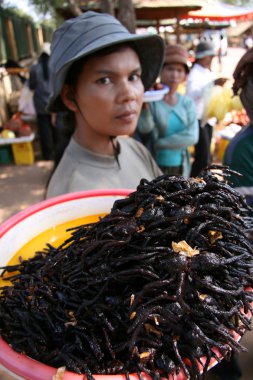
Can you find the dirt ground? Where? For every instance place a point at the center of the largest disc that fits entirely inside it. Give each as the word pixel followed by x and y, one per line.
pixel 22 186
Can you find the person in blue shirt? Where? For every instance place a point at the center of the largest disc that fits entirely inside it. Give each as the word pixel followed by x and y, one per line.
pixel 172 120
pixel 239 153
pixel 239 157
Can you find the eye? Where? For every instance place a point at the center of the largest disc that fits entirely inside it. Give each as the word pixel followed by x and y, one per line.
pixel 135 77
pixel 104 80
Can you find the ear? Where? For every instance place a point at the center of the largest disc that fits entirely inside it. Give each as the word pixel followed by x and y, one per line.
pixel 67 97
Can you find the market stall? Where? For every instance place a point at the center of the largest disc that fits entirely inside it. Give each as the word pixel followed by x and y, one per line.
pixel 219 11
pixel 16 138
pixel 17 149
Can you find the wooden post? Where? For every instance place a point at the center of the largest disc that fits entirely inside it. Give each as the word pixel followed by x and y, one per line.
pixel 11 38
pixel 30 40
pixel 178 29
pixel 40 37
pixel 158 26
pixel 126 15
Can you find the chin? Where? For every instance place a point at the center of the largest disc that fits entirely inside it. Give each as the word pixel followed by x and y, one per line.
pixel 126 131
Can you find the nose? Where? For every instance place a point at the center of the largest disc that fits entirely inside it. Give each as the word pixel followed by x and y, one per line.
pixel 126 91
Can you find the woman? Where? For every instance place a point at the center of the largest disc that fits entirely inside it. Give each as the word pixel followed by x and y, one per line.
pixel 172 119
pixel 99 72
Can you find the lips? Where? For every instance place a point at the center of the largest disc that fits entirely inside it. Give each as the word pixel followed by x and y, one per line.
pixel 127 116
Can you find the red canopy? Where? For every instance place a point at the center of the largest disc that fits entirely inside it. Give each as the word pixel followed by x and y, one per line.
pixel 216 11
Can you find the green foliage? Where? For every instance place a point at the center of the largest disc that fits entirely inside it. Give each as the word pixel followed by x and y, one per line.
pixel 16 11
pixel 47 6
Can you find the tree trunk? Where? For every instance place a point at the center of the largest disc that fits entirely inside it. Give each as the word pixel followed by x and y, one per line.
pixel 127 15
pixel 74 7
pixel 107 7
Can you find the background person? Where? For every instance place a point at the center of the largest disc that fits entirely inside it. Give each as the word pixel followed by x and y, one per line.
pixel 239 152
pixel 199 82
pixel 48 124
pixel 173 119
pixel 99 72
pixel 239 157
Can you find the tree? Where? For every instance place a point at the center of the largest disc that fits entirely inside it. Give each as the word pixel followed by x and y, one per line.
pixel 127 15
pixel 126 7
pixel 74 7
pixel 126 12
pixel 47 6
pixel 107 7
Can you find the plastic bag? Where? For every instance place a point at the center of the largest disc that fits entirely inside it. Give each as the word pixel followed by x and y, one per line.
pixel 236 103
pixel 25 104
pixel 220 102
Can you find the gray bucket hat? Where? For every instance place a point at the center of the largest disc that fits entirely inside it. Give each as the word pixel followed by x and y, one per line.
pixel 79 37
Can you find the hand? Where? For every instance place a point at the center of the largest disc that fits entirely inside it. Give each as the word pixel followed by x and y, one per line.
pixel 158 86
pixel 220 81
pixel 145 106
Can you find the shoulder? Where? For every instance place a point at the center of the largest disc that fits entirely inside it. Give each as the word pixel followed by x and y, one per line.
pixel 193 71
pixel 244 137
pixel 137 150
pixel 240 146
pixel 128 143
pixel 185 102
pixel 188 101
pixel 33 69
pixel 140 156
pixel 63 173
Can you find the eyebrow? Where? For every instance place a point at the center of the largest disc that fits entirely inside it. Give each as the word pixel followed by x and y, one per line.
pixel 138 69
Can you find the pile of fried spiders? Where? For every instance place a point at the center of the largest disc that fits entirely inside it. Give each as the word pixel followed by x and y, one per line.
pixel 161 285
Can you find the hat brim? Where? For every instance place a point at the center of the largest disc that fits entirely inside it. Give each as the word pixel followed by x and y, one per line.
pixel 204 54
pixel 150 49
pixel 176 58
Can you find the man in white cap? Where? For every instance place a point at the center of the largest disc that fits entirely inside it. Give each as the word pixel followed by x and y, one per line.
pixel 199 82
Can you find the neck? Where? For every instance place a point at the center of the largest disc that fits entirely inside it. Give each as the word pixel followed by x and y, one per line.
pixel 171 98
pixel 97 144
pixel 173 88
pixel 204 65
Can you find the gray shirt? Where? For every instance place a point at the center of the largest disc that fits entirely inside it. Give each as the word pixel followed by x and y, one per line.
pixel 81 169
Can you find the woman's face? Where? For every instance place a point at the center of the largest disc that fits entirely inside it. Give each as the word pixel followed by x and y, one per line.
pixel 109 93
pixel 173 74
